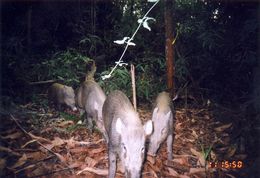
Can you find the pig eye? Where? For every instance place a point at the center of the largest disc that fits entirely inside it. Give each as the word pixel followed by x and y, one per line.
pixel 123 147
pixel 143 150
pixel 163 131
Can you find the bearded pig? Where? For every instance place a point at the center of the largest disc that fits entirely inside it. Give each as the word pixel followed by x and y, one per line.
pixel 90 97
pixel 62 95
pixel 163 125
pixel 126 134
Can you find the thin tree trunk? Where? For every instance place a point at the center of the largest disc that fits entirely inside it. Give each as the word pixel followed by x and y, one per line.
pixel 169 50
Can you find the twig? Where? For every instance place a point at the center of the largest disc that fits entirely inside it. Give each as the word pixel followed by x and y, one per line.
pixel 8 150
pixel 33 164
pixel 33 137
pixel 133 85
pixel 52 172
pixel 42 82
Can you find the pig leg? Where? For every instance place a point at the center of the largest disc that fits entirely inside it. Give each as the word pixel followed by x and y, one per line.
pixel 121 167
pixel 95 118
pixel 59 107
pixel 89 122
pixel 112 163
pixel 169 146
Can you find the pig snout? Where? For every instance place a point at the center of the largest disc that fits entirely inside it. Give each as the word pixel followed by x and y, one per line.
pixel 71 103
pixel 133 173
pixel 153 148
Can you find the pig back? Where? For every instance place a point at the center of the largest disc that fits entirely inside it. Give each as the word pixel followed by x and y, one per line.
pixel 55 93
pixel 163 102
pixel 90 93
pixel 164 105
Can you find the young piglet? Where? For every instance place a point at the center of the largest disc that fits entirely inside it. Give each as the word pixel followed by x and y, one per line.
pixel 62 95
pixel 163 125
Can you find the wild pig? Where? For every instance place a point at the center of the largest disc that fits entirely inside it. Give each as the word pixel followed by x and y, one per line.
pixel 90 97
pixel 163 125
pixel 126 134
pixel 62 95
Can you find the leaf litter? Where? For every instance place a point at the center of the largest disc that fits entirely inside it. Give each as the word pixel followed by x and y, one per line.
pixel 49 149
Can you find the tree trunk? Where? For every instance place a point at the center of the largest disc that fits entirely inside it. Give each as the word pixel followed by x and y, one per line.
pixel 169 50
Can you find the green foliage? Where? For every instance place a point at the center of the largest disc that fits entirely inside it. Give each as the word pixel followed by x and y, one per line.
pixel 120 80
pixel 217 45
pixel 40 100
pixel 181 69
pixel 67 66
pixel 150 79
pixel 67 116
pixel 206 152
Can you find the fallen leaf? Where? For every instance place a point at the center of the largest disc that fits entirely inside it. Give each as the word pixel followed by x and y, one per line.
pixel 75 165
pixel 48 146
pixel 65 124
pixel 29 142
pixel 71 142
pixel 61 158
pixel 178 126
pixel 194 134
pixel 223 149
pixel 182 161
pixel 172 172
pixel 57 141
pixel 199 155
pixel 229 175
pixel 13 135
pixel 2 164
pixel 183 176
pixel 223 127
pixel 231 151
pixel 40 139
pixel 24 168
pixel 20 161
pixel 38 171
pixel 213 155
pixel 151 159
pixel 101 172
pixel 8 150
pixel 98 150
pixel 90 162
pixel 35 155
pixel 79 150
pixel 197 170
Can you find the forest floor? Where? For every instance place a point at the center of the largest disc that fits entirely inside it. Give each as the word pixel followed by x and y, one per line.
pixel 38 142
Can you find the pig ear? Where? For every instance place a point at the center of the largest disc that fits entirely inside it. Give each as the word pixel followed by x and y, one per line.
pixel 148 127
pixel 119 125
pixel 95 106
pixel 168 115
pixel 155 110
